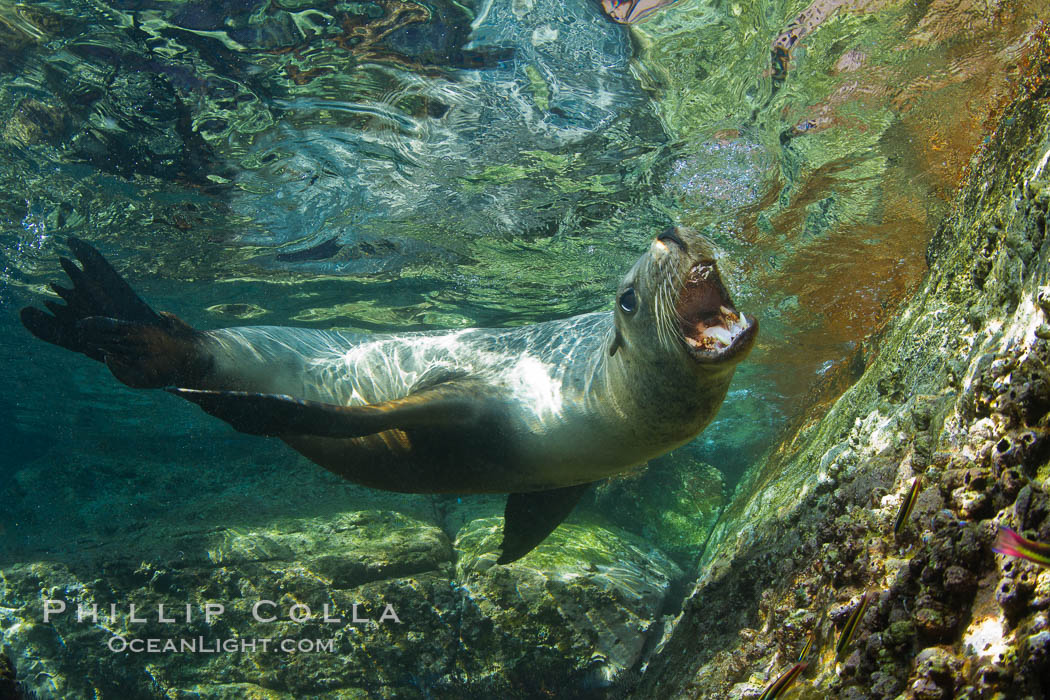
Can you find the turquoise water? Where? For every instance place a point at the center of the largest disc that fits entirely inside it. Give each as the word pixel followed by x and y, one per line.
pixel 395 165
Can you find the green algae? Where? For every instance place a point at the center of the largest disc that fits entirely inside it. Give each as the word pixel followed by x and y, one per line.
pixel 578 609
pixel 541 93
pixel 556 170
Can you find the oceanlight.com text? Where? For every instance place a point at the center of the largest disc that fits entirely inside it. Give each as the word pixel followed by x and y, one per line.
pixel 202 645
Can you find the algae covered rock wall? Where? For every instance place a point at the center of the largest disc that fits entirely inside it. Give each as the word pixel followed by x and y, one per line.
pixel 957 395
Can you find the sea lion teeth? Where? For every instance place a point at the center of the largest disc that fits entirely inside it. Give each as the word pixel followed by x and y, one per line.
pixel 729 316
pixel 700 273
pixel 719 333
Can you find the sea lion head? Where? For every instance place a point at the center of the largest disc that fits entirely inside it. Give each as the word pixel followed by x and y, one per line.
pixel 673 303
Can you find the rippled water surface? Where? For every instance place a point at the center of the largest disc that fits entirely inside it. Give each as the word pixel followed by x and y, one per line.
pixel 393 164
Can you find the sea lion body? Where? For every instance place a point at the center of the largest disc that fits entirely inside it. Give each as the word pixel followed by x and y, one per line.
pixel 536 411
pixel 557 417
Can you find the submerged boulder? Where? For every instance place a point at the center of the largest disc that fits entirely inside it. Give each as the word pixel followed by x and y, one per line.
pixel 372 603
pixel 578 609
pixel 674 504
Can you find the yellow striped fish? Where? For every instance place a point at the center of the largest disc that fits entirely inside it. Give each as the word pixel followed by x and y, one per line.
pixel 809 645
pixel 850 628
pixel 906 505
pixel 787 678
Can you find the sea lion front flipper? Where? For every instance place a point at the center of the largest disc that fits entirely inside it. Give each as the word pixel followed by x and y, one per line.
pixel 447 405
pixel 530 517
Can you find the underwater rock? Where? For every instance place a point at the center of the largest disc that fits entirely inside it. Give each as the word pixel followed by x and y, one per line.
pixel 35 122
pixel 1041 594
pixel 346 552
pixel 373 602
pixel 959 582
pixel 935 622
pixel 1015 589
pixel 347 567
pixel 9 688
pixel 675 501
pixel 587 590
pixel 1035 662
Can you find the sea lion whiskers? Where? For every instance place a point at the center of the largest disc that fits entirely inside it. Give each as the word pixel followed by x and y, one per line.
pixel 669 325
pixel 665 334
pixel 658 308
pixel 674 319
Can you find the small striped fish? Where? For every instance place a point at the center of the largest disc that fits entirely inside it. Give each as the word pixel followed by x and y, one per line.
pixel 787 678
pixel 907 505
pixel 850 629
pixel 1011 544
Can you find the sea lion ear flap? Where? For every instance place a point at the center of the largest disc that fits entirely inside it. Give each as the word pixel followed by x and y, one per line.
pixel 616 344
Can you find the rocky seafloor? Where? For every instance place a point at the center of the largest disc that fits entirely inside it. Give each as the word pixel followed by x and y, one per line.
pixel 956 391
pixel 568 620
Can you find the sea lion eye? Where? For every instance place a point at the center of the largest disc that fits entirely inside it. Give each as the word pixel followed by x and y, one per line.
pixel 629 301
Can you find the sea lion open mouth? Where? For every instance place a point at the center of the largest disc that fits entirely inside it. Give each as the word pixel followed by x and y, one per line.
pixel 712 327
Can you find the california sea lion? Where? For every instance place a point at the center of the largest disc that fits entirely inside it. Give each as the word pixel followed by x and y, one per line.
pixel 537 411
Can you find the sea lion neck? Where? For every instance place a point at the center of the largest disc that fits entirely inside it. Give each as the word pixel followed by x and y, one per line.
pixel 640 372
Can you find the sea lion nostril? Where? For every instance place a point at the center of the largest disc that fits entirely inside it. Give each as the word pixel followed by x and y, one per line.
pixel 671 235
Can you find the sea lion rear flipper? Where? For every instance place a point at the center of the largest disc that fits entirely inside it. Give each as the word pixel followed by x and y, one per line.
pixel 453 403
pixel 106 320
pixel 530 517
pixel 98 290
